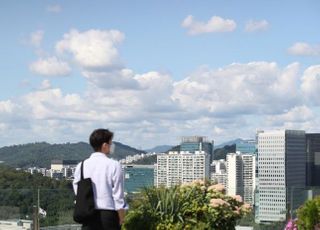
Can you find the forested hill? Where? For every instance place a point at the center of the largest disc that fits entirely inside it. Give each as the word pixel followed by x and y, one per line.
pixel 41 154
pixel 18 193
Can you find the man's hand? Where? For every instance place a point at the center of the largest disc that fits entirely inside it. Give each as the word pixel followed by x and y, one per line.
pixel 121 214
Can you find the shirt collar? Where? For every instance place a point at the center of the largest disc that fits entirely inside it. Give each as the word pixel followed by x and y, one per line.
pixel 98 154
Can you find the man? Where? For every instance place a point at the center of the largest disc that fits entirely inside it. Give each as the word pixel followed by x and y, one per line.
pixel 107 180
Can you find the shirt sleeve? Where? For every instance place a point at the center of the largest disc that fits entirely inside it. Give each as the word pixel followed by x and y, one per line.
pixel 118 188
pixel 76 178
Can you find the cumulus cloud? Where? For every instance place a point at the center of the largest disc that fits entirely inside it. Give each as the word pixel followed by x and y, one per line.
pixel 304 49
pixel 54 8
pixel 92 49
pixel 252 26
pixel 6 106
pixel 297 114
pixel 51 66
pixel 151 107
pixel 117 78
pixel 45 84
pixel 36 38
pixel 239 89
pixel 311 84
pixel 215 24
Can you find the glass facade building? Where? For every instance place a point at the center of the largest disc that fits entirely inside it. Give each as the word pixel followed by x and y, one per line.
pixel 313 159
pixel 197 143
pixel 246 146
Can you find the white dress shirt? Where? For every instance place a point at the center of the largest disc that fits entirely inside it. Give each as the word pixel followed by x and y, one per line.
pixel 107 180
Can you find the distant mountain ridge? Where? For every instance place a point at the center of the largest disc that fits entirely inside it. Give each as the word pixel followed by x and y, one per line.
pixel 232 142
pixel 40 154
pixel 159 149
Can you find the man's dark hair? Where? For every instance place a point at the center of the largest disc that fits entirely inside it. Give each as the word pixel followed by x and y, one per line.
pixel 98 137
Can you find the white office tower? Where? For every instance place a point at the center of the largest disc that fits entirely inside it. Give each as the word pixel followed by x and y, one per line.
pixel 241 175
pixel 219 172
pixel 282 172
pixel 180 167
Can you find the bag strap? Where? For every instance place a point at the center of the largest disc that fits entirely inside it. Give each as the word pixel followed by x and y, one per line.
pixel 82 170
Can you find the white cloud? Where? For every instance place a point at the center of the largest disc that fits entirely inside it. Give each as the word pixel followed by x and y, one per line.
pixel 92 49
pixel 239 89
pixel 6 106
pixel 45 84
pixel 51 66
pixel 36 38
pixel 297 114
pixel 311 84
pixel 54 8
pixel 117 78
pixel 223 103
pixel 304 49
pixel 214 25
pixel 252 26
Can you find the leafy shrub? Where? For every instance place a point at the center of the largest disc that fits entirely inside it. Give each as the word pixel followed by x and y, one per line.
pixel 309 215
pixel 196 205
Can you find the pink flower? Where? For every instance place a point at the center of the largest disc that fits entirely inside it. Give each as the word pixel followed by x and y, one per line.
pixel 218 202
pixel 198 182
pixel 216 187
pixel 237 198
pixel 291 225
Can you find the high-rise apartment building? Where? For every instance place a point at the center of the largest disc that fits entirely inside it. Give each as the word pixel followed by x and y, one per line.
pixel 282 172
pixel 218 172
pixel 180 167
pixel 234 174
pixel 248 177
pixel 241 175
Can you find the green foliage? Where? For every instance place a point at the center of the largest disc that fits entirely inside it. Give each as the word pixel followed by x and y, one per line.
pixel 19 191
pixel 147 160
pixel 309 215
pixel 197 205
pixel 41 154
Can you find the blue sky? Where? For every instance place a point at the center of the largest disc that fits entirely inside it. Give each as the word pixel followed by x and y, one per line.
pixel 153 71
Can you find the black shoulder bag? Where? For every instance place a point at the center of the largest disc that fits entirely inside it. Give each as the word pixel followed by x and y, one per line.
pixel 84 209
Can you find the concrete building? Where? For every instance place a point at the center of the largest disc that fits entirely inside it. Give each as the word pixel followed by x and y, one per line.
pixel 249 177
pixel 181 167
pixel 58 165
pixel 241 175
pixel 282 173
pixel 218 171
pixel 234 174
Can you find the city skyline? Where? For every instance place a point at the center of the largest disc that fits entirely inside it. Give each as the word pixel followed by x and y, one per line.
pixel 153 72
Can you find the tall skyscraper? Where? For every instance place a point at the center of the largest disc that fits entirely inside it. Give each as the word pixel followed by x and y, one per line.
pixel 313 159
pixel 246 146
pixel 282 172
pixel 175 168
pixel 197 143
pixel 241 175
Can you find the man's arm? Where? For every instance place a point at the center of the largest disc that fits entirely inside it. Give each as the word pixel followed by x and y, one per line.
pixel 118 192
pixel 76 178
